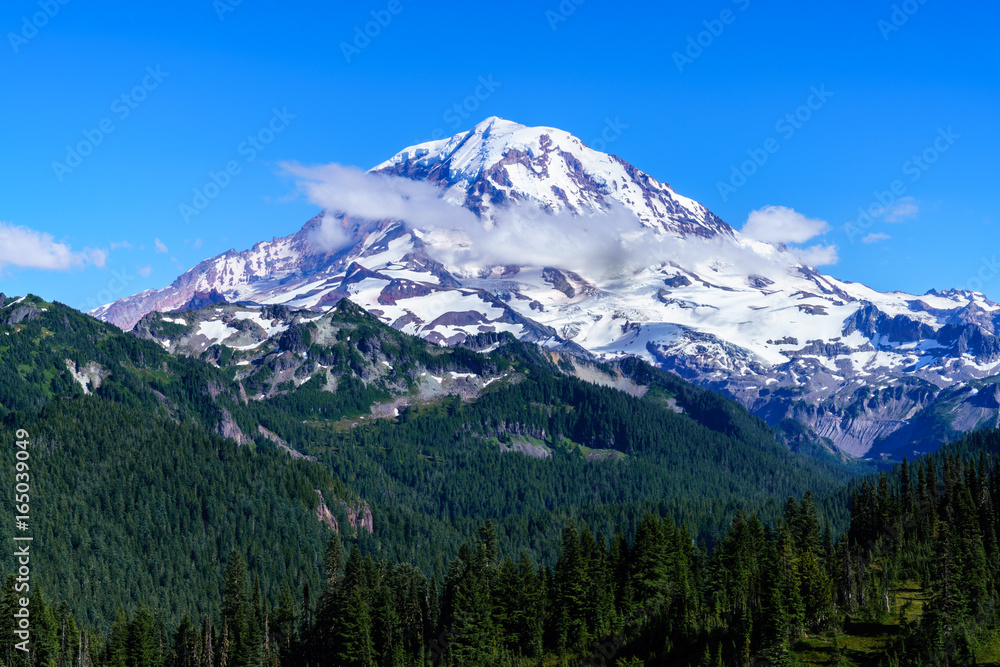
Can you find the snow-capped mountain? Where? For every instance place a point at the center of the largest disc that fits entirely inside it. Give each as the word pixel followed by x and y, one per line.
pixel 500 162
pixel 527 230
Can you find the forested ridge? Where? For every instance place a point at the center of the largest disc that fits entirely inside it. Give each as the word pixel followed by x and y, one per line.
pixel 767 594
pixel 654 525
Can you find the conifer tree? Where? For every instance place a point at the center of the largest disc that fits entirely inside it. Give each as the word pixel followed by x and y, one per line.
pixel 185 645
pixel 772 629
pixel 117 643
pixel 44 631
pixel 225 646
pixel 788 570
pixel 648 559
pixel 236 610
pixel 207 643
pixel 283 625
pixel 352 634
pixel 143 639
pixel 571 591
pixel 256 628
pixel 8 606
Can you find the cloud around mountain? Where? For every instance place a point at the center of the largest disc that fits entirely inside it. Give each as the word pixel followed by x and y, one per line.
pixel 784 226
pixel 603 243
pixel 375 197
pixel 599 244
pixel 520 234
pixel 780 224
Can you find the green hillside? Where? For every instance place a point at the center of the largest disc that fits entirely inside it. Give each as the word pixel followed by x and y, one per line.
pixel 152 470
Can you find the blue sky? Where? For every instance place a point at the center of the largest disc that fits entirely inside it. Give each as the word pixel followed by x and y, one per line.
pixel 903 96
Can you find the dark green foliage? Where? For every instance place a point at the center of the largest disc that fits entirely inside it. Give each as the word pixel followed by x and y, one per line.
pixel 655 600
pixel 479 556
pixel 150 512
pixel 144 497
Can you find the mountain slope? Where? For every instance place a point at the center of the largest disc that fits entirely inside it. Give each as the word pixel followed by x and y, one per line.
pixel 135 495
pixel 558 244
pixel 151 467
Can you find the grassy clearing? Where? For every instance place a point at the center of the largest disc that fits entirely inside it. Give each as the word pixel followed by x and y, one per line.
pixel 989 653
pixel 861 644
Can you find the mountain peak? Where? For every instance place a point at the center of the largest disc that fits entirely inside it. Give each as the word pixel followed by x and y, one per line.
pixel 498 124
pixel 487 142
pixel 499 163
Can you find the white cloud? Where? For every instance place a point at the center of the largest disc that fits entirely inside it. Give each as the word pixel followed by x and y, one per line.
pixel 376 197
pixel 596 244
pixel 331 235
pixel 31 249
pixel 900 210
pixel 160 246
pixel 145 271
pixel 875 237
pixel 518 234
pixel 784 226
pixel 780 224
pixel 817 255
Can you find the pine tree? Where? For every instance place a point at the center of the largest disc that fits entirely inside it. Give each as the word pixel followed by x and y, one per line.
pixel 8 606
pixel 788 569
pixel 352 634
pixel 143 642
pixel 906 486
pixel 602 599
pixel 386 634
pixel 256 628
pixel 185 652
pixel 236 610
pixel 69 635
pixel 45 631
pixel 225 646
pixel 946 595
pixel 533 588
pixel 772 628
pixel 117 644
pixel 618 563
pixel 283 624
pixel 808 527
pixel 649 576
pixel 333 563
pixel 817 591
pixel 207 639
pixel 571 591
pixel 467 611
